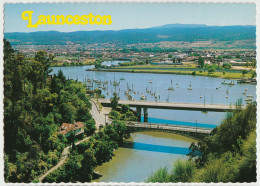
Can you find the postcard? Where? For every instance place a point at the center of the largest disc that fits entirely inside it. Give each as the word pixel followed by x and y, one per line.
pixel 114 92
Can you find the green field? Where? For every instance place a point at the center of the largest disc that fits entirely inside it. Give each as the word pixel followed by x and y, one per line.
pixel 154 69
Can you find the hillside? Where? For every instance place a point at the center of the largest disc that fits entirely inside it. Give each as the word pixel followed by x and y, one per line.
pixel 175 32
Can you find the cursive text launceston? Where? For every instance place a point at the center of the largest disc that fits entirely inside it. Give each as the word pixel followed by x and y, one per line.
pixel 69 19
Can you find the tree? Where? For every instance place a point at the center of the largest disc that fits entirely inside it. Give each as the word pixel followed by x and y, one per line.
pixel 170 56
pixel 88 163
pixel 97 64
pixel 211 70
pixel 244 72
pixel 226 65
pixel 201 61
pixel 41 56
pixel 253 74
pixel 125 109
pixel 114 101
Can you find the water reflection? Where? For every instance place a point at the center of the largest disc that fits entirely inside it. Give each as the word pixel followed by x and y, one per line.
pixel 174 122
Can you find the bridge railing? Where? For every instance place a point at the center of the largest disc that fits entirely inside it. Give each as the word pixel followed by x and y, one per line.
pixel 168 125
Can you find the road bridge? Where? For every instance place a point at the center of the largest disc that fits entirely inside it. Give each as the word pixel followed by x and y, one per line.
pixel 172 106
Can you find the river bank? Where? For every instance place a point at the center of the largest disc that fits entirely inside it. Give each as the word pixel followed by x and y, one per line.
pixel 226 75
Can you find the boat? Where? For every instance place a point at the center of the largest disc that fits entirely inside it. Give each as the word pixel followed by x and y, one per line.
pixel 250 96
pixel 142 97
pixel 171 88
pixel 224 82
pixel 249 99
pixel 122 78
pixel 89 80
pixel 200 96
pixel 150 81
pixel 231 83
pixel 227 91
pixel 244 93
pixel 226 96
pixel 115 83
pixel 246 89
pixel 190 86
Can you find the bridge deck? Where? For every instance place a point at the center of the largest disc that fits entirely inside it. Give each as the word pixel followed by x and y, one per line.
pixel 169 127
pixel 174 106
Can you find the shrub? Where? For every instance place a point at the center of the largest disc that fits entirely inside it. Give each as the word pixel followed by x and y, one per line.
pixel 183 171
pixel 160 175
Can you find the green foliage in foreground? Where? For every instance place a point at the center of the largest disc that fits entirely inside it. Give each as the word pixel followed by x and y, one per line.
pixel 228 155
pixel 35 105
pixel 88 154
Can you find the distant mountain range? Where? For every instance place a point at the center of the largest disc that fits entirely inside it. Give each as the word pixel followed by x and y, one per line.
pixel 170 32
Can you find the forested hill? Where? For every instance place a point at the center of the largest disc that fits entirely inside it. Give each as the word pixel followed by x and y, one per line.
pixel 173 32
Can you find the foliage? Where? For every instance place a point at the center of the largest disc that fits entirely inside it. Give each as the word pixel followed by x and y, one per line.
pixel 88 154
pixel 244 72
pixel 227 155
pixel 201 62
pixel 226 65
pixel 114 101
pixel 161 176
pixel 35 105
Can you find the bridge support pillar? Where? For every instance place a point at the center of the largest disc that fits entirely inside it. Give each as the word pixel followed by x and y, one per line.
pixel 145 115
pixel 138 110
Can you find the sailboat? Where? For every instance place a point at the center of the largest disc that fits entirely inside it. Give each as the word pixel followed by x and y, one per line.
pixel 190 86
pixel 171 88
pixel 142 97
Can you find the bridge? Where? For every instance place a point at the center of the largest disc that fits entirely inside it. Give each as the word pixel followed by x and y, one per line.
pixel 190 131
pixel 172 106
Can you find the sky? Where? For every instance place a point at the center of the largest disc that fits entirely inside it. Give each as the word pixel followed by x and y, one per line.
pixel 128 16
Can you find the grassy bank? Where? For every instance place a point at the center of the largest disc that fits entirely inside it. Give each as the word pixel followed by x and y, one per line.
pixel 226 75
pixel 61 64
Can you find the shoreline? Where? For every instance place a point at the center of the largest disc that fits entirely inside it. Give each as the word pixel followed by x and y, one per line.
pixel 214 75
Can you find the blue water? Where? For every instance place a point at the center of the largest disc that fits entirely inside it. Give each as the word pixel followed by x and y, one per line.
pixel 204 90
pixel 173 122
pixel 160 148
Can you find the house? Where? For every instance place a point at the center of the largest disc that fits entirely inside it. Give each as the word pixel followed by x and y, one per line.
pixel 67 129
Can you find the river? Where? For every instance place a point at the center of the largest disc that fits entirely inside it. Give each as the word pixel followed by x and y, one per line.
pixel 152 150
pixel 149 152
pixel 204 90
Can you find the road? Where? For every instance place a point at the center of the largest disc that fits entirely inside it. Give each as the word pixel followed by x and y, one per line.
pixel 174 106
pixel 99 114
